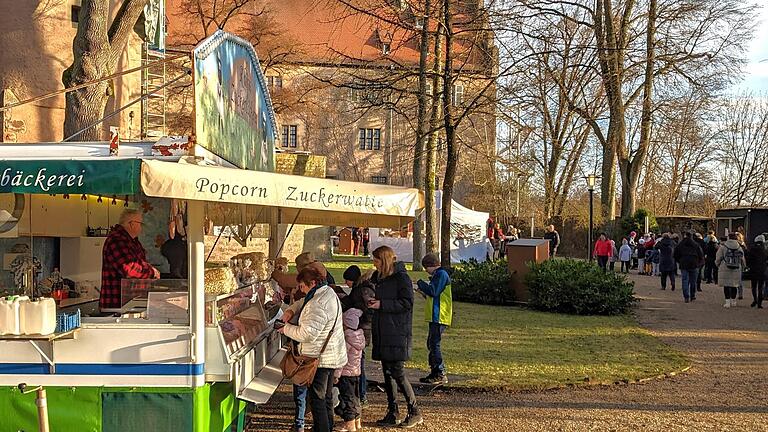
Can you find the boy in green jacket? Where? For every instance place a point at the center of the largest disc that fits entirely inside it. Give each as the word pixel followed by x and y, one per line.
pixel 438 311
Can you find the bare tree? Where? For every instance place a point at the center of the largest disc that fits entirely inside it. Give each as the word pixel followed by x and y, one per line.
pixel 743 151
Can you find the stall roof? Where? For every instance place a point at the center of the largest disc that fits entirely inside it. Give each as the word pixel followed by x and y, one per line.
pixel 301 200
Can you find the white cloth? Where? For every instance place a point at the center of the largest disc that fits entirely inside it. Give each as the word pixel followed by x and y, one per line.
pixel 316 321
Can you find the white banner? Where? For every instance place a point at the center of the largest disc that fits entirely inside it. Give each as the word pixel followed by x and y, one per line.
pixel 316 198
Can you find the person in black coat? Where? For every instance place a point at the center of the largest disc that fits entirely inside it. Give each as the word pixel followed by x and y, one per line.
pixel 757 262
pixel 710 253
pixel 362 291
pixel 392 333
pixel 690 257
pixel 667 265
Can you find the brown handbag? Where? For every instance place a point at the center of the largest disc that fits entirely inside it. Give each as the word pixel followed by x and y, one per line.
pixel 300 369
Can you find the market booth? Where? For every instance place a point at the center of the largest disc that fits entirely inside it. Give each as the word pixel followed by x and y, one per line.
pixel 180 354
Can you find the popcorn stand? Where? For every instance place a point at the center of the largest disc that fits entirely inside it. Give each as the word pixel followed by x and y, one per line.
pixel 185 352
pixel 180 354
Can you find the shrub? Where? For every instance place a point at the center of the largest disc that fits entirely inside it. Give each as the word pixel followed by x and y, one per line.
pixel 636 223
pixel 578 287
pixel 484 282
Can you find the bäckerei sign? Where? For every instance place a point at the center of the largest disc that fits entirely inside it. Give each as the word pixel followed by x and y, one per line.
pixel 108 177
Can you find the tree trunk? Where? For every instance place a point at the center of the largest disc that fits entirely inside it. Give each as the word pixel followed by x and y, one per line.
pixel 452 158
pixel 421 120
pixel 632 165
pixel 96 54
pixel 430 210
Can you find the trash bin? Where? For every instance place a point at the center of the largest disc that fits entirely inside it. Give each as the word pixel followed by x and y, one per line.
pixel 519 254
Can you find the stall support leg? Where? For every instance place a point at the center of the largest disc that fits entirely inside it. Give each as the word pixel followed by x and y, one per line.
pixel 196 245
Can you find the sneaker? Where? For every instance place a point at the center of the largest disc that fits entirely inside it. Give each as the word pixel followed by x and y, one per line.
pixel 741 297
pixel 364 402
pixel 727 303
pixel 436 379
pixel 687 301
pixel 389 420
pixel 412 419
pixel 673 287
pixel 754 303
pixel 427 379
pixel 693 298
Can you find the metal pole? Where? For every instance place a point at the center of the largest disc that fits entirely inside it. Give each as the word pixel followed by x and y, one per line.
pixel 42 410
pixel 591 216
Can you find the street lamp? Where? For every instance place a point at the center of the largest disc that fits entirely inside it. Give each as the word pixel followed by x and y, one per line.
pixel 591 180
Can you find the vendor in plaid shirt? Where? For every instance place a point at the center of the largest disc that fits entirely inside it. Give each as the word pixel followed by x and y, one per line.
pixel 123 257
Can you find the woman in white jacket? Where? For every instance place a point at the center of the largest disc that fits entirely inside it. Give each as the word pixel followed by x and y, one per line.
pixel 319 317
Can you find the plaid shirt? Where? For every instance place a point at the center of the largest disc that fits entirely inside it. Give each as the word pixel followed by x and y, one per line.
pixel 122 257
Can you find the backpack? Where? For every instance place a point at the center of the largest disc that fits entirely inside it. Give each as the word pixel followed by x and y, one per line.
pixel 732 258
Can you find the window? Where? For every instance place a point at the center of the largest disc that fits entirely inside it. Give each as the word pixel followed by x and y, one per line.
pixel 275 82
pixel 385 48
pixel 370 139
pixel 379 179
pixel 290 136
pixel 75 14
pixel 458 94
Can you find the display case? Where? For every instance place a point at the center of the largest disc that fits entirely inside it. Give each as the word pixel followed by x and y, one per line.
pixel 156 300
pixel 236 323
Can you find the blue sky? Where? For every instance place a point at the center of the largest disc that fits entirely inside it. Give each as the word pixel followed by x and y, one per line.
pixel 756 73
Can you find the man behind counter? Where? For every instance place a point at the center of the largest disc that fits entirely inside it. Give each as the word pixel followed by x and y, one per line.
pixel 123 257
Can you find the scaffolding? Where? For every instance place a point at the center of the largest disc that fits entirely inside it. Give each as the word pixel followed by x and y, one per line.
pixel 153 91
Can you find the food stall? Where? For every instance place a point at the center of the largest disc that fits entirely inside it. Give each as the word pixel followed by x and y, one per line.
pixel 179 354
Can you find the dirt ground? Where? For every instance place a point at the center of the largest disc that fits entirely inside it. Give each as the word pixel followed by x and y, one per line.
pixel 726 388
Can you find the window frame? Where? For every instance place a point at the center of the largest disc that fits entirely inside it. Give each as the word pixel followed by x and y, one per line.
pixel 369 139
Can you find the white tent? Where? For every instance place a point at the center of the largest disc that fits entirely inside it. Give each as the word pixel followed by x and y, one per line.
pixel 468 236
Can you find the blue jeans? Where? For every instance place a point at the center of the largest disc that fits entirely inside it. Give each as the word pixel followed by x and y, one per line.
pixel 436 364
pixel 690 281
pixel 300 400
pixel 363 382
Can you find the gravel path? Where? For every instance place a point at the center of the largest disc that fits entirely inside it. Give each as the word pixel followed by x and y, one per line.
pixel 726 388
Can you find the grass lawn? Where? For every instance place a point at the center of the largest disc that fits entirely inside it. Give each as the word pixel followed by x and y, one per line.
pixel 513 348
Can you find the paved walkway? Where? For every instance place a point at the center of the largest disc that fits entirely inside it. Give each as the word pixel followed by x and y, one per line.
pixel 726 388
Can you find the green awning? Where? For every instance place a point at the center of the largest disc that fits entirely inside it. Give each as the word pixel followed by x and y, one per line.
pixel 105 177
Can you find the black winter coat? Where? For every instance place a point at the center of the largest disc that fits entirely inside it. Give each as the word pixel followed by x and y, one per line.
pixel 666 248
pixel 756 260
pixel 710 252
pixel 358 299
pixel 689 255
pixel 393 321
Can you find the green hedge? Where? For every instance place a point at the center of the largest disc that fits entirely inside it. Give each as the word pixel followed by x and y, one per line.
pixel 484 282
pixel 578 287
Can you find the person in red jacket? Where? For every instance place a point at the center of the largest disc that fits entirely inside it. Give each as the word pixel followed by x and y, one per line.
pixel 603 251
pixel 123 257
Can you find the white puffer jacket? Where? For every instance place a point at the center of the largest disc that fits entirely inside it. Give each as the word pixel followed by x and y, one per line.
pixel 315 322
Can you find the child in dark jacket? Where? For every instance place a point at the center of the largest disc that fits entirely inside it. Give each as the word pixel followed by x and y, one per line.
pixel 438 313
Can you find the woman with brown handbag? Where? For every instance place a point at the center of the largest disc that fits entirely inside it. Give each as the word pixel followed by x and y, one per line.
pixel 320 336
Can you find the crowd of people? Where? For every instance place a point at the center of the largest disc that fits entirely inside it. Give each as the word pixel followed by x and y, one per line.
pixel 698 259
pixel 335 326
